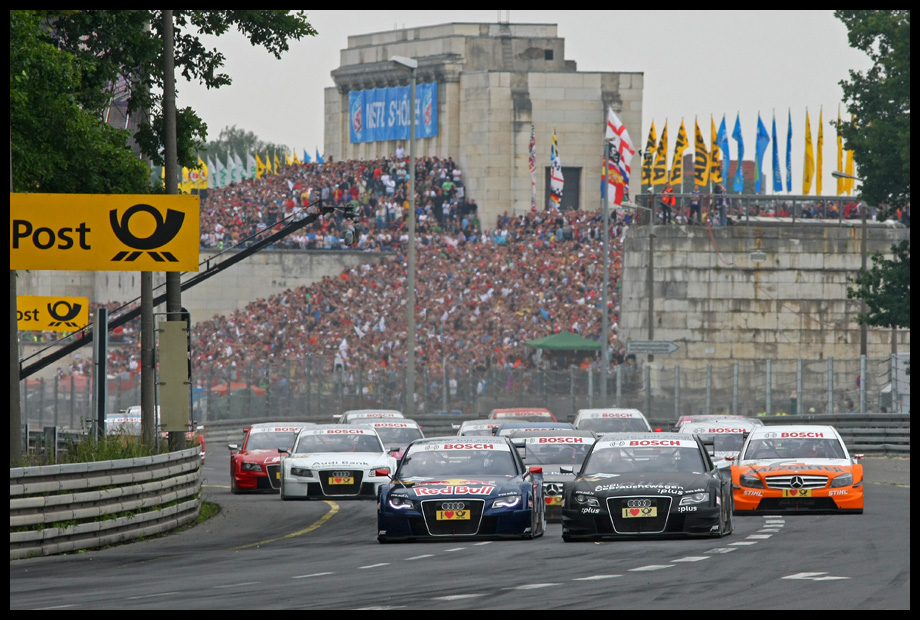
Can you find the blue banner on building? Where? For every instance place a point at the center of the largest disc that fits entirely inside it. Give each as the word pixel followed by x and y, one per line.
pixel 383 113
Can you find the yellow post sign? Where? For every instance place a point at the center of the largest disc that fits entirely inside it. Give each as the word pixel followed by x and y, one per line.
pixel 51 314
pixel 104 232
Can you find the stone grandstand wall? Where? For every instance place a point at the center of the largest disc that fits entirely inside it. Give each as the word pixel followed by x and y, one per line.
pixel 752 292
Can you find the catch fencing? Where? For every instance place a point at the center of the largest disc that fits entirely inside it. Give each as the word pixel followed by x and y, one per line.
pixel 300 389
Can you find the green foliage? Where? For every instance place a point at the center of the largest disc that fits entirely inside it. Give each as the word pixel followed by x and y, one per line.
pixel 240 142
pixel 885 288
pixel 879 103
pixel 67 65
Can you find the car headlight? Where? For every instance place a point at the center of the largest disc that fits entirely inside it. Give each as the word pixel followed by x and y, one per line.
pixel 749 480
pixel 843 480
pixel 400 502
pixel 303 472
pixel 694 498
pixel 509 501
pixel 586 500
pixel 251 467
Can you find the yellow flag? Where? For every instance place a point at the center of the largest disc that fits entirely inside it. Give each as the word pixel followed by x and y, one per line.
pixel 841 184
pixel 809 171
pixel 848 186
pixel 700 159
pixel 660 168
pixel 296 159
pixel 648 155
pixel 260 167
pixel 277 163
pixel 715 156
pixel 268 164
pixel 677 164
pixel 819 152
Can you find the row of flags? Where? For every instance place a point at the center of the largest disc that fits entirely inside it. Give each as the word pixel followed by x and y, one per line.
pixel 213 172
pixel 711 165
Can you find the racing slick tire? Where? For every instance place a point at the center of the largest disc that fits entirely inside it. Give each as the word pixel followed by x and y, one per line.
pixel 233 488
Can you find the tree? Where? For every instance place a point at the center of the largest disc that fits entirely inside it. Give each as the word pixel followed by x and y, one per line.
pixel 240 142
pixel 57 144
pixel 885 288
pixel 104 49
pixel 879 104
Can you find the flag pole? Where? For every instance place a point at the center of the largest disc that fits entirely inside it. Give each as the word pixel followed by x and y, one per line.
pixel 605 319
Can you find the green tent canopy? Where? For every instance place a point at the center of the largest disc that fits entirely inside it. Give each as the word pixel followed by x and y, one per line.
pixel 564 341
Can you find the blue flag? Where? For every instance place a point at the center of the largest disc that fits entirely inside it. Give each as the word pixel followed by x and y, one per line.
pixel 777 173
pixel 306 157
pixel 789 155
pixel 319 158
pixel 738 185
pixel 763 140
pixel 722 139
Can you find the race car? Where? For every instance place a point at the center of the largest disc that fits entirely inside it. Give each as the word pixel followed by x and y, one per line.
pixel 560 453
pixel 257 465
pixel 357 415
pixel 635 485
pixel 684 419
pixel 335 461
pixel 724 437
pixel 127 422
pixel 450 488
pixel 523 414
pixel 797 468
pixel 477 427
pixel 611 421
pixel 507 428
pixel 395 433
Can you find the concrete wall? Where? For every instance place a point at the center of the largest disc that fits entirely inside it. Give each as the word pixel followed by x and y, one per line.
pixel 257 277
pixel 717 304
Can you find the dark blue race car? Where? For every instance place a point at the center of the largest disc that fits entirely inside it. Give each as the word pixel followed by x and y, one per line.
pixel 461 487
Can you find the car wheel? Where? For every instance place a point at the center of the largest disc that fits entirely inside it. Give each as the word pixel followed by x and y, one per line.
pixel 233 488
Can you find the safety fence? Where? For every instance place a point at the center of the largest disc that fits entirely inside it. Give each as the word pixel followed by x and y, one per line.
pixel 296 389
pixel 63 508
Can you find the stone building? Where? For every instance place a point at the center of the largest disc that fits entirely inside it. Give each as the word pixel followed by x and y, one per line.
pixel 493 80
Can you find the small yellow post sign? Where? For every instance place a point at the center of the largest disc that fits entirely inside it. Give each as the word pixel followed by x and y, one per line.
pixel 51 314
pixel 104 232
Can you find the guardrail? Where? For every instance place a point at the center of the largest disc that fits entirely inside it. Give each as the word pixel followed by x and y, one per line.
pixel 62 508
pixel 875 434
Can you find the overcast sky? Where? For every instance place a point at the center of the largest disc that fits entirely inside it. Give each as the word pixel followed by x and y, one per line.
pixel 696 64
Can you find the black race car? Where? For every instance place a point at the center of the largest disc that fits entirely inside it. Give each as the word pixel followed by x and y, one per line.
pixel 647 484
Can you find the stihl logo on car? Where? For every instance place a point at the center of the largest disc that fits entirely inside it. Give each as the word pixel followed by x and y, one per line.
pixel 560 440
pixel 654 442
pixel 803 434
pixel 469 446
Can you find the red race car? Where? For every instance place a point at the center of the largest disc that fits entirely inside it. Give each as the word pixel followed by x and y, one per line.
pixel 257 465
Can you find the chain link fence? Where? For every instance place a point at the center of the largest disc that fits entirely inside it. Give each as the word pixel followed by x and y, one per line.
pixel 302 390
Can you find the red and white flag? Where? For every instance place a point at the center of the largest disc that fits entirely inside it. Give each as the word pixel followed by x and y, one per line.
pixel 618 155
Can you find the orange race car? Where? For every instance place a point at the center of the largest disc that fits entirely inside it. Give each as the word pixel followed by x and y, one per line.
pixel 796 468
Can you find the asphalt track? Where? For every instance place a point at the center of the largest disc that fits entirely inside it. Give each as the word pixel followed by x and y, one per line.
pixel 262 553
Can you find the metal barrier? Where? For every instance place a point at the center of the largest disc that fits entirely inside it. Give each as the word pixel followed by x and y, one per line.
pixel 62 508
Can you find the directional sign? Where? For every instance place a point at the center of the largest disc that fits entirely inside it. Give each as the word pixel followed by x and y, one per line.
pixel 651 347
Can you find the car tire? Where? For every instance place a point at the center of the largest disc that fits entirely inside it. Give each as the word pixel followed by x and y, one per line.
pixel 233 488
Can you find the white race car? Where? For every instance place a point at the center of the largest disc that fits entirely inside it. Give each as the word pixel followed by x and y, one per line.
pixel 335 461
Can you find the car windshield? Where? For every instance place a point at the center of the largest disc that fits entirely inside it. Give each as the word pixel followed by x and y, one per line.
pixel 556 453
pixel 339 442
pixel 398 436
pixel 431 463
pixel 613 425
pixel 725 442
pixel 270 441
pixel 797 448
pixel 651 459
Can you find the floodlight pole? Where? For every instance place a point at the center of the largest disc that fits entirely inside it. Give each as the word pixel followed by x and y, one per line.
pixel 411 64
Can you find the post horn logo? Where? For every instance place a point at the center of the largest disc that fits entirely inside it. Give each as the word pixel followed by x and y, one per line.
pixel 65 317
pixel 166 230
